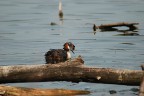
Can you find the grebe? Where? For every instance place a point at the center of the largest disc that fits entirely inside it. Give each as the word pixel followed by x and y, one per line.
pixel 59 55
pixel 60 9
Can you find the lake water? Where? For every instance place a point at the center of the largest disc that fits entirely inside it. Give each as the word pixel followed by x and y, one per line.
pixel 26 34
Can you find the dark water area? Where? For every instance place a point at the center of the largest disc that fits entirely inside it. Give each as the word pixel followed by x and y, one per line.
pixel 26 34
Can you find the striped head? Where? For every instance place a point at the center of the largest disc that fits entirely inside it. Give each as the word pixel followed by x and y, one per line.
pixel 68 46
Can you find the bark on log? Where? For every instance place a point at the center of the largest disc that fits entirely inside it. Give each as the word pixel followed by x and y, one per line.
pixel 72 70
pixel 21 91
pixel 131 26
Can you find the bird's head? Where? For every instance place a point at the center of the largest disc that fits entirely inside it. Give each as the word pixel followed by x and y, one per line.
pixel 68 46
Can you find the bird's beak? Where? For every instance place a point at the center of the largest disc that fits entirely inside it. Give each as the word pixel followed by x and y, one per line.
pixel 72 51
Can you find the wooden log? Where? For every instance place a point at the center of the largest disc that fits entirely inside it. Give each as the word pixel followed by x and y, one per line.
pixel 21 91
pixel 141 92
pixel 72 70
pixel 131 26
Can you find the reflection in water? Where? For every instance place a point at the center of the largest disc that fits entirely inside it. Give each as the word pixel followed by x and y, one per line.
pixel 61 21
pixel 128 33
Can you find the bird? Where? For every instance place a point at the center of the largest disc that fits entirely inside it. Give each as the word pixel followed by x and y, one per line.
pixel 60 9
pixel 54 56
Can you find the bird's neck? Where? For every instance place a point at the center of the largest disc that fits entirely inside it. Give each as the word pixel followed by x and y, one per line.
pixel 68 55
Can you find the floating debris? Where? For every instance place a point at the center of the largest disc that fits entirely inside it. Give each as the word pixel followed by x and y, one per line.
pixel 94 27
pixel 60 10
pixel 131 31
pixel 131 26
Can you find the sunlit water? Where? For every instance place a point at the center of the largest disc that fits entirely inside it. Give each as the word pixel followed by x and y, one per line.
pixel 26 34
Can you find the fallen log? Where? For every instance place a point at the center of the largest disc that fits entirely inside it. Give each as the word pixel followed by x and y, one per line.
pixel 141 92
pixel 131 26
pixel 22 91
pixel 71 70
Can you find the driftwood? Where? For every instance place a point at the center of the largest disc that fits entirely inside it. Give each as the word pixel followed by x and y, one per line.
pixel 21 91
pixel 72 70
pixel 141 92
pixel 112 27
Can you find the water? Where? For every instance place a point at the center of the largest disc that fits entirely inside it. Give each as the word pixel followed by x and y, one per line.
pixel 26 34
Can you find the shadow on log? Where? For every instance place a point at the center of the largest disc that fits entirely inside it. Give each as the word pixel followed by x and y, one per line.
pixel 21 91
pixel 71 70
